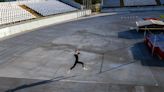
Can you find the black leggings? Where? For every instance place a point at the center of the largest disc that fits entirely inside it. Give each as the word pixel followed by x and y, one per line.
pixel 76 63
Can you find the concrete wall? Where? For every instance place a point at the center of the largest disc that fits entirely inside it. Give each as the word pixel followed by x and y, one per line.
pixel 22 27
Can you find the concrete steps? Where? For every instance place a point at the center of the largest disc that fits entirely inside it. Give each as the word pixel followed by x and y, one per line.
pixel 33 12
pixel 133 9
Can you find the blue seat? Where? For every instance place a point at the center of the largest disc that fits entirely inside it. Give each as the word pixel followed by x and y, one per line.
pixel 162 1
pixel 111 3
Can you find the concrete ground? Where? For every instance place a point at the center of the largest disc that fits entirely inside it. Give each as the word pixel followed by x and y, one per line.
pixel 113 52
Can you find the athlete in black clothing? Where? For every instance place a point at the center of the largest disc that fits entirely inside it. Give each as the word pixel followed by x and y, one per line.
pixel 77 52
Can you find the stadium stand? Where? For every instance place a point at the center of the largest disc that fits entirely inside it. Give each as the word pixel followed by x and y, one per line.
pixel 11 12
pixel 71 3
pixel 111 3
pixel 162 1
pixel 139 2
pixel 46 8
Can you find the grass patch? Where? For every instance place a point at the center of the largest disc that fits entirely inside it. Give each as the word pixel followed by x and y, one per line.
pixel 162 16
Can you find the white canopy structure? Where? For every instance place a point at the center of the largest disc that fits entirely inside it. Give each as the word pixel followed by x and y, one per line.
pixel 150 25
pixel 149 22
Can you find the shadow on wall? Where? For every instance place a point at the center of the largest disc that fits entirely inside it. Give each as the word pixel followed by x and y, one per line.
pixel 142 53
pixel 131 34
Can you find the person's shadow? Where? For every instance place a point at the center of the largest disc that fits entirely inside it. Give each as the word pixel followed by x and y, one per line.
pixel 38 83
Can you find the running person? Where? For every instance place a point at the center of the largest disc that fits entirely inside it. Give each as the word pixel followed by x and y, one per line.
pixel 77 52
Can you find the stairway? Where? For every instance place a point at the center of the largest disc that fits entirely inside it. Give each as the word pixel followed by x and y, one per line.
pixel 36 14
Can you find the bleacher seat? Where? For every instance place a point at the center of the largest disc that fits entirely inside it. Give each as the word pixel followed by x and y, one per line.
pixel 46 8
pixel 162 1
pixel 72 3
pixel 139 2
pixel 111 3
pixel 12 13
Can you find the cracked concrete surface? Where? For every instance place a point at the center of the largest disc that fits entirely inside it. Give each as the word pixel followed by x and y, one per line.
pixel 115 55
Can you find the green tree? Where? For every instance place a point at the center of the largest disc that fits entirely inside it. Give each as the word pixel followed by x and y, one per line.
pixel 96 1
